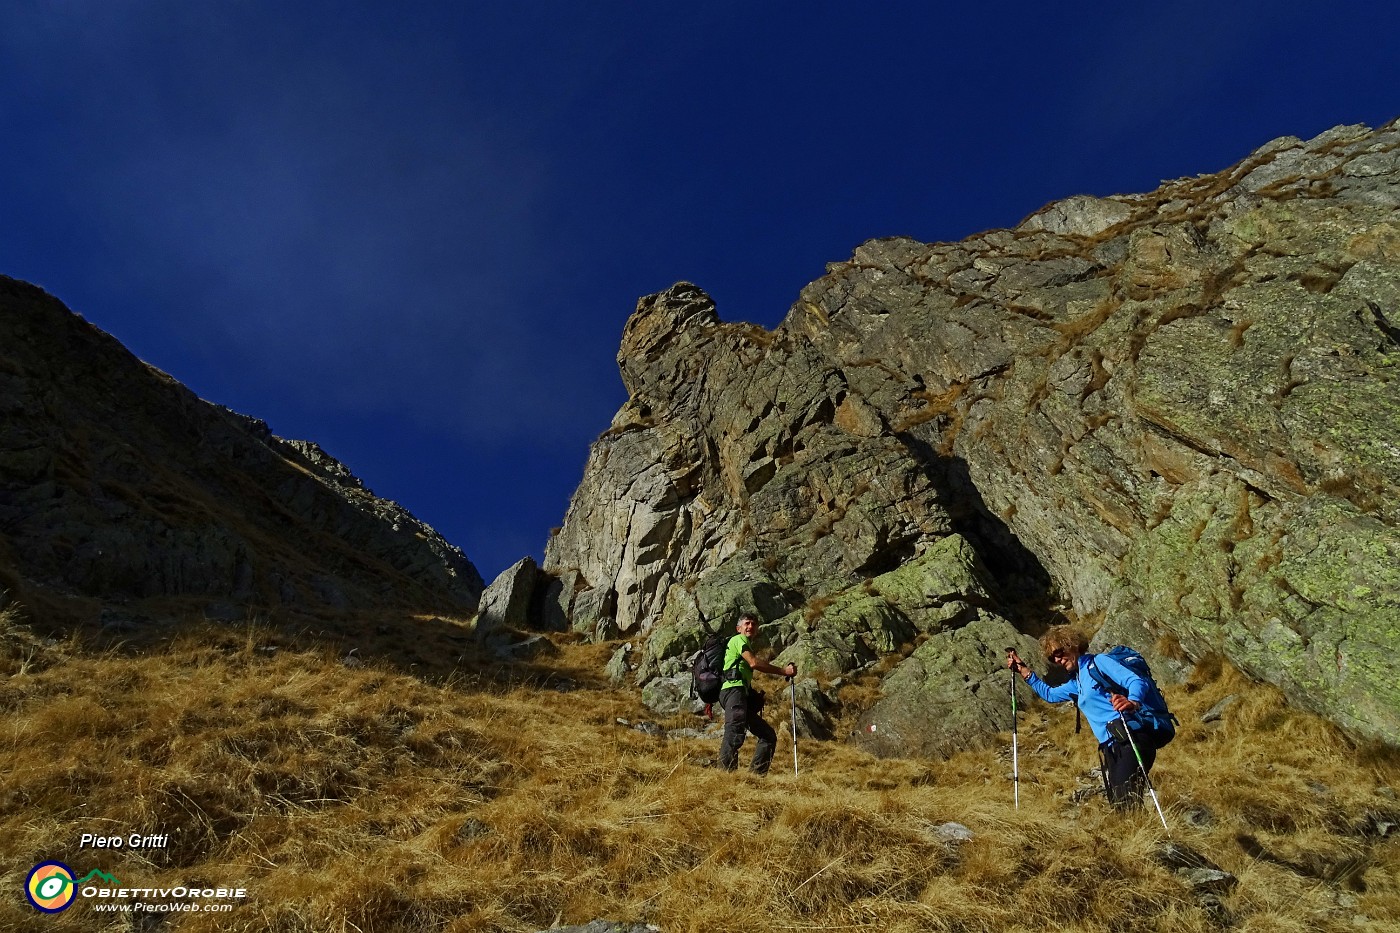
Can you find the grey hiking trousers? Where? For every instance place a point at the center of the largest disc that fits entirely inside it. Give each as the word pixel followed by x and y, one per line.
pixel 743 713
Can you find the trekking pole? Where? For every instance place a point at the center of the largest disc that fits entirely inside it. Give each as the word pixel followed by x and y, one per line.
pixel 1143 769
pixel 1015 751
pixel 792 684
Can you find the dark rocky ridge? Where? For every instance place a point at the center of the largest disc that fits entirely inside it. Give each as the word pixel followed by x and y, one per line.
pixel 1175 413
pixel 118 484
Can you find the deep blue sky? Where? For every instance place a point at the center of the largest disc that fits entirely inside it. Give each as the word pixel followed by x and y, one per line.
pixel 412 232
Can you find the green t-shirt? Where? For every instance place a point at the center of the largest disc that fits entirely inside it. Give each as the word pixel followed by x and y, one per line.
pixel 734 657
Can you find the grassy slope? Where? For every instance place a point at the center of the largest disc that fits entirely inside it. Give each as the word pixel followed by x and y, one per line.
pixel 360 798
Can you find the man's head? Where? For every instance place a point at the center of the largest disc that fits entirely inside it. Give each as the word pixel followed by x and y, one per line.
pixel 747 623
pixel 1063 645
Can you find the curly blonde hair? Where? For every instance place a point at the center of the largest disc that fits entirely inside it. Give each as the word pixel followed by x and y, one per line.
pixel 1065 638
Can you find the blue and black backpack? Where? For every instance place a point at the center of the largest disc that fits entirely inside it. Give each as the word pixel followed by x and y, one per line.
pixel 1161 717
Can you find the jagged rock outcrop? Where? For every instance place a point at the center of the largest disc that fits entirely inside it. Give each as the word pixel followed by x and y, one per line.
pixel 118 483
pixel 512 601
pixel 1176 412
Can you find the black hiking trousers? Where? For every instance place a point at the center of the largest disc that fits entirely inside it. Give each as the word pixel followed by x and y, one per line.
pixel 1123 779
pixel 743 713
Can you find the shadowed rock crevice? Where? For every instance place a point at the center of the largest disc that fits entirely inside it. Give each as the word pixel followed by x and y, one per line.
pixel 1022 582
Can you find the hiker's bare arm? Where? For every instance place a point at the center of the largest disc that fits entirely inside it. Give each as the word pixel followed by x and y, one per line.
pixel 761 665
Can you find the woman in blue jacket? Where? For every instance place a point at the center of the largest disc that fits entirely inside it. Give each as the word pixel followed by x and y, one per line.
pixel 1141 710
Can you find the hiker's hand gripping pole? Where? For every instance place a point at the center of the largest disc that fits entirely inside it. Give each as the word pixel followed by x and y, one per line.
pixel 1122 704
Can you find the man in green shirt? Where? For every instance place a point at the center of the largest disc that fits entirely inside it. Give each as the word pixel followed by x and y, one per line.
pixel 742 704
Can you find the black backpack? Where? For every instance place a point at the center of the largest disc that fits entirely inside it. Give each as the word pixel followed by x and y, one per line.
pixel 707 670
pixel 707 673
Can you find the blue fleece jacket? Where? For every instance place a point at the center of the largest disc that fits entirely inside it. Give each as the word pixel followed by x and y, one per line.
pixel 1094 701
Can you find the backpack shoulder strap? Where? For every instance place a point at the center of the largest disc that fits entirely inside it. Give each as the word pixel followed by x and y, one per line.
pixel 1103 680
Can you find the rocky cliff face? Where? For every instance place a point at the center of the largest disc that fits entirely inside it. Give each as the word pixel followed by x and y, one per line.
pixel 1176 412
pixel 117 483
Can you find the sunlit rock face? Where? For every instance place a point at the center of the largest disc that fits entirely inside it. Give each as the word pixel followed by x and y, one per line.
pixel 1176 413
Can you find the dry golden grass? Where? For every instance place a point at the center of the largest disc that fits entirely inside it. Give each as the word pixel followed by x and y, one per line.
pixel 365 799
